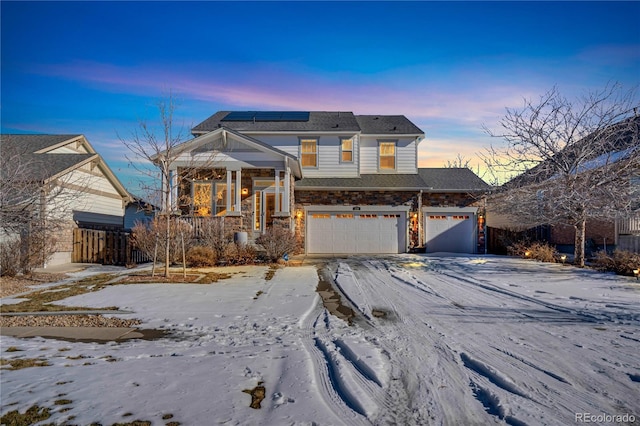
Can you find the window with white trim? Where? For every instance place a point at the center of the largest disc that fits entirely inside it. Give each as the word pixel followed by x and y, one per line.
pixel 387 155
pixel 309 152
pixel 346 150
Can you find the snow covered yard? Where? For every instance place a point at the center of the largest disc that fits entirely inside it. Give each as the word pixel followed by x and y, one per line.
pixel 438 340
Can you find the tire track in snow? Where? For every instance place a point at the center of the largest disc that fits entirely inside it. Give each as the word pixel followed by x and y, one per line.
pixel 313 321
pixel 429 395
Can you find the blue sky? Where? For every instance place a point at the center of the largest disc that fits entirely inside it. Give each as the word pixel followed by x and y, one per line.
pixel 97 68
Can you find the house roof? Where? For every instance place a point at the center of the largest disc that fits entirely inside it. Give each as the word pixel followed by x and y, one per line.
pixel 429 180
pixel 366 181
pixel 319 121
pixel 616 142
pixel 452 179
pixel 387 125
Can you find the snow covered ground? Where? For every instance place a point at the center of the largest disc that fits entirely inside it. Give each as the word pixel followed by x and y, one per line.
pixel 451 340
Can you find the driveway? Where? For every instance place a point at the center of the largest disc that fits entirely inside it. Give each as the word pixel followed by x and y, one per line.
pixel 472 340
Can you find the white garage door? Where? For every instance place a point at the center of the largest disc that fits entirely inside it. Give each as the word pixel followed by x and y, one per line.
pixel 450 232
pixel 355 232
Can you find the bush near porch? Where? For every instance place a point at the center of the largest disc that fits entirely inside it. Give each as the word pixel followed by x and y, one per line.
pixel 211 245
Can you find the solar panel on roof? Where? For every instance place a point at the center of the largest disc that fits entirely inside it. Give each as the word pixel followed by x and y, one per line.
pixel 295 116
pixel 267 116
pixel 239 116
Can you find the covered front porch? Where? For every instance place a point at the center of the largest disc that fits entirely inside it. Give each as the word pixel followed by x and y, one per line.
pixel 242 180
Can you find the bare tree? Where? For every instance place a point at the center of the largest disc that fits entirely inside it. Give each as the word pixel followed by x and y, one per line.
pixel 461 162
pixel 161 145
pixel 569 160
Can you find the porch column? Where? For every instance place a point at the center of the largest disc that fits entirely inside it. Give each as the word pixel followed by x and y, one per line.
pixel 228 200
pixel 238 206
pixel 277 194
pixel 287 190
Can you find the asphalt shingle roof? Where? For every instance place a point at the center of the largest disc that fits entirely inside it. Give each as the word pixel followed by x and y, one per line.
pixel 41 167
pixel 387 125
pixel 318 121
pixel 33 143
pixel 444 179
pixel 380 181
pixel 460 179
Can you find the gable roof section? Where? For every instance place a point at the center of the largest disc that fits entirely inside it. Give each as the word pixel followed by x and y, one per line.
pixel 43 166
pixel 387 125
pixel 318 121
pixel 452 180
pixel 202 140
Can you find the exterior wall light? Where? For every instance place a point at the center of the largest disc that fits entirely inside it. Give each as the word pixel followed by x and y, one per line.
pixel 244 191
pixel 299 214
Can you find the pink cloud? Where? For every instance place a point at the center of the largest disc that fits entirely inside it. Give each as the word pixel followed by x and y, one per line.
pixel 272 87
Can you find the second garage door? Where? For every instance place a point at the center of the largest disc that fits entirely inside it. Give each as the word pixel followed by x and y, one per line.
pixel 355 232
pixel 450 232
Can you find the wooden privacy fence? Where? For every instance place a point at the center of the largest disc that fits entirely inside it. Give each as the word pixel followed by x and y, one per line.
pixel 105 247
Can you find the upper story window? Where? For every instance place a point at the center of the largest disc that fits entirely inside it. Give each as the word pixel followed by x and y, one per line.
pixel 309 152
pixel 387 155
pixel 346 151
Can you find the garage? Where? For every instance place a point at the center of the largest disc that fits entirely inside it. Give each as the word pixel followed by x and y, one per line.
pixel 366 232
pixel 450 231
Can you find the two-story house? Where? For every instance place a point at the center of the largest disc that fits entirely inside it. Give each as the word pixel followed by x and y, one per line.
pixel 344 183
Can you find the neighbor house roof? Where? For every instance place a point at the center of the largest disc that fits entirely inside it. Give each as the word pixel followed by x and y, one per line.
pixel 318 121
pixel 43 166
pixel 37 143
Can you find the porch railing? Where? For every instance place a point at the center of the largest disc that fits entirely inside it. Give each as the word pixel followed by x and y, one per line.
pixel 629 225
pixel 199 223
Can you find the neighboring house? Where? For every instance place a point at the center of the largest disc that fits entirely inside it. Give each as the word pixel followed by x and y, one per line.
pixel 71 186
pixel 345 183
pixel 608 233
pixel 138 211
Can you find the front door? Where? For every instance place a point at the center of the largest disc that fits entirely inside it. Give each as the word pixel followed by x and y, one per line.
pixel 269 208
pixel 265 204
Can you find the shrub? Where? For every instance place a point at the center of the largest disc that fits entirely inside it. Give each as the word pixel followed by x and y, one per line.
pixel 25 252
pixel 537 251
pixel 240 254
pixel 277 241
pixel 9 257
pixel 622 262
pixel 145 236
pixel 212 234
pixel 199 256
